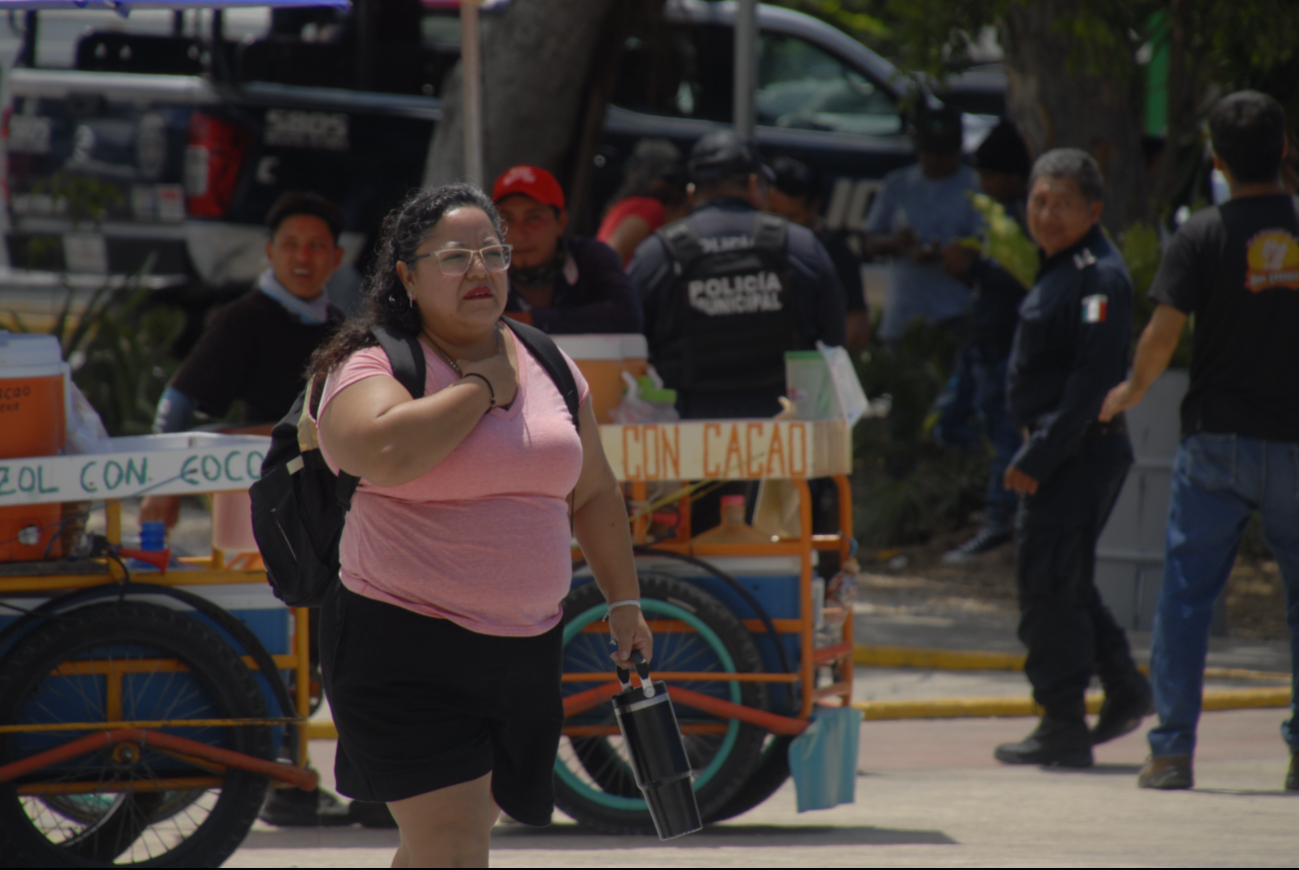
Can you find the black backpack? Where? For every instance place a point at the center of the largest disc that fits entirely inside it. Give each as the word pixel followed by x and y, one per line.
pixel 300 505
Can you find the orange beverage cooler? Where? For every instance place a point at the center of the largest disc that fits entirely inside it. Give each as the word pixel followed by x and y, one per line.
pixel 32 423
pixel 602 359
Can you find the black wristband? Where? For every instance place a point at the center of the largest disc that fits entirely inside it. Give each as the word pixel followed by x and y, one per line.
pixel 490 389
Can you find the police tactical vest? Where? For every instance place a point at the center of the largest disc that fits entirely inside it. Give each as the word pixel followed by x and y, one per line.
pixel 732 308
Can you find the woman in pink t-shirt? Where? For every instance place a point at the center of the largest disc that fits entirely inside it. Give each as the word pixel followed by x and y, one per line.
pixel 441 647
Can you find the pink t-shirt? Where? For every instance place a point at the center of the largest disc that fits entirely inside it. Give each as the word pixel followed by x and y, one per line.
pixel 483 538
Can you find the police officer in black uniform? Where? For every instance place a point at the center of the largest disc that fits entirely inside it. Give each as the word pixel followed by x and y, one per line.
pixel 1071 348
pixel 728 289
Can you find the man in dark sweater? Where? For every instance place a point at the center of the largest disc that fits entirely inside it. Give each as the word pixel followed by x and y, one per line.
pixel 559 285
pixel 255 351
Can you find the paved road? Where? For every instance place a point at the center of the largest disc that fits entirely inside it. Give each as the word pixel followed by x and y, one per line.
pixel 930 793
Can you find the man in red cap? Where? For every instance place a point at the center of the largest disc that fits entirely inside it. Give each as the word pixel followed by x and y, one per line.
pixel 559 285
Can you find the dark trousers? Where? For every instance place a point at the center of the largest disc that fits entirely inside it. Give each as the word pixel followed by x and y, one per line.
pixel 1069 632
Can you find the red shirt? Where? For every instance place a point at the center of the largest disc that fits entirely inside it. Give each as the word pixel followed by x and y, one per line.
pixel 645 207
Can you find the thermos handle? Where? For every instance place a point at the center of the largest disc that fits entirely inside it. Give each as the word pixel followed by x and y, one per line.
pixel 642 669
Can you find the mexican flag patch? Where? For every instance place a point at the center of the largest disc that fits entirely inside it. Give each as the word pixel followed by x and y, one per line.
pixel 1094 308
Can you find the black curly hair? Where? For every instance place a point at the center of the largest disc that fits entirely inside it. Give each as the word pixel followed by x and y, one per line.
pixel 384 300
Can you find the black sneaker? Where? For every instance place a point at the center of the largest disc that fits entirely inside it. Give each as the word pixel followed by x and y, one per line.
pixel 372 814
pixel 295 808
pixel 1123 709
pixel 988 538
pixel 1054 742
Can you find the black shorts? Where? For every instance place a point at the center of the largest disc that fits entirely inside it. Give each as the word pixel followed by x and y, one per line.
pixel 422 704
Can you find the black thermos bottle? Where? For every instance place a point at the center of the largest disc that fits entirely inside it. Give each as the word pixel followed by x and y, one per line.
pixel 658 757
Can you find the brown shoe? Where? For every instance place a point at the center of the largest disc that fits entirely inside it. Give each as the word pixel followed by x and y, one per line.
pixel 1169 772
pixel 1292 778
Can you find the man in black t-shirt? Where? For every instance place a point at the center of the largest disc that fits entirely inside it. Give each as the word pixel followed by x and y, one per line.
pixel 1234 267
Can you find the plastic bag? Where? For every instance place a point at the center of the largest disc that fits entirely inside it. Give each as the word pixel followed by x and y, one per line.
pixel 86 432
pixel 646 401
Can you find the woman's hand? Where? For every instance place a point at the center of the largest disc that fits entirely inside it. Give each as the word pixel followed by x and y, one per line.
pixel 497 369
pixel 630 632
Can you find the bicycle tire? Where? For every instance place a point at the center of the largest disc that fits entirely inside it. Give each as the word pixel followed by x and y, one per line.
pixel 594 784
pixel 123 825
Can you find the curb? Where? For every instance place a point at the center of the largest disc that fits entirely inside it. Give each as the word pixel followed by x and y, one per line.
pixel 964 708
pixel 880 656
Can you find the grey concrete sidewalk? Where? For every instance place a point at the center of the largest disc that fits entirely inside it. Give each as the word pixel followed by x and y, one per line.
pixel 929 793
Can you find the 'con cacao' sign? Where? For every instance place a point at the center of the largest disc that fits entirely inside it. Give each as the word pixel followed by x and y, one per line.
pixel 728 449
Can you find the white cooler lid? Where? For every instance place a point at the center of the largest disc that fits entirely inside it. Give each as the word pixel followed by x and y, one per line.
pixel 25 355
pixel 618 346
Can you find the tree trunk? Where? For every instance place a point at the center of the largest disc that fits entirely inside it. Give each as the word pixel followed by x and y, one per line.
pixel 1057 104
pixel 538 93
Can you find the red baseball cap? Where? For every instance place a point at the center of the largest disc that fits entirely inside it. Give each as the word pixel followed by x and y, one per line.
pixel 530 181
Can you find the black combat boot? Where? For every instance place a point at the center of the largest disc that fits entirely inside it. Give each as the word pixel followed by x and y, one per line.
pixel 1126 704
pixel 1060 739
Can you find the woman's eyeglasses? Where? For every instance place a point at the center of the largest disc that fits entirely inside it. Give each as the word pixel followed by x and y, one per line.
pixel 454 262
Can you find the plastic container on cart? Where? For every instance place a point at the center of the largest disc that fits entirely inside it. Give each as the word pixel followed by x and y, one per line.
pixel 232 522
pixel 602 359
pixel 732 529
pixel 32 423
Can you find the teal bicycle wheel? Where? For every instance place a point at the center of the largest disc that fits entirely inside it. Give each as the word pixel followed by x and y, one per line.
pixel 593 779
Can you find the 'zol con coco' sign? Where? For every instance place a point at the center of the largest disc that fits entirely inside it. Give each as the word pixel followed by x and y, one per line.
pixel 214 464
pixel 728 450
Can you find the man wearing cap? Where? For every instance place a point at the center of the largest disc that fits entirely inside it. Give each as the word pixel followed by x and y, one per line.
pixel 920 209
pixel 795 194
pixel 973 404
pixel 559 285
pixel 729 289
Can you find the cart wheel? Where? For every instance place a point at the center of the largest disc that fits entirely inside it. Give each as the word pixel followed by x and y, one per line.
pixel 593 780
pixel 767 778
pixel 128 662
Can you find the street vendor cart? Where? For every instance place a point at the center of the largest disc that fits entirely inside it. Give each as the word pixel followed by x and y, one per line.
pixel 144 699
pixel 744 635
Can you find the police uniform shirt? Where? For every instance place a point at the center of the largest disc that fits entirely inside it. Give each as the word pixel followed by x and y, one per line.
pixel 816 297
pixel 1070 350
pixel 1236 268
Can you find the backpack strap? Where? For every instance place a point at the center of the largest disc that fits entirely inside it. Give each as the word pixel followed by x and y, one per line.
pixel 543 347
pixel 682 244
pixel 406 358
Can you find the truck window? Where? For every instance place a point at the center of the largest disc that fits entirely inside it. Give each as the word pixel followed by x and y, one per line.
pixel 149 40
pixel 677 71
pixel 804 87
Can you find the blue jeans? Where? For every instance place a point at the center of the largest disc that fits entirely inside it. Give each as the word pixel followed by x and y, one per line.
pixel 978 387
pixel 1218 481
